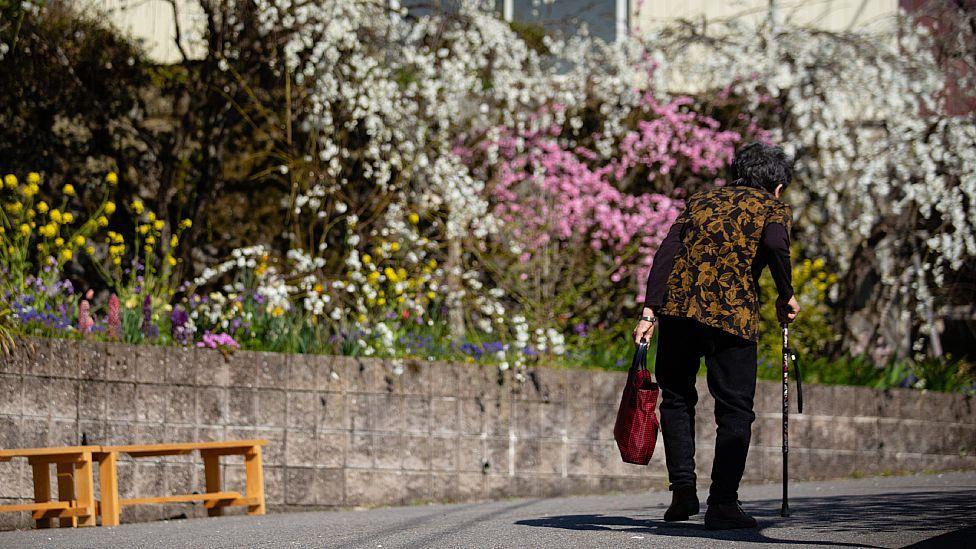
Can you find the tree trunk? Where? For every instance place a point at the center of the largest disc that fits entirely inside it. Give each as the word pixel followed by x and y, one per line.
pixel 455 290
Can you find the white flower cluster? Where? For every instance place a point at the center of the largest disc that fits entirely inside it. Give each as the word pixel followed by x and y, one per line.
pixel 389 98
pixel 394 102
pixel 241 258
pixel 884 176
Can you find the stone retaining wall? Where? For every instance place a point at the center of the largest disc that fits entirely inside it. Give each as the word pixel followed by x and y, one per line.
pixel 348 431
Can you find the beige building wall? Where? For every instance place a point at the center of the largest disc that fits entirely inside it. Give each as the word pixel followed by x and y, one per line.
pixel 151 22
pixel 835 15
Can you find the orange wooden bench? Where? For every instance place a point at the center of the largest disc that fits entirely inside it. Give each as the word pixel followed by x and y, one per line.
pixel 214 499
pixel 75 505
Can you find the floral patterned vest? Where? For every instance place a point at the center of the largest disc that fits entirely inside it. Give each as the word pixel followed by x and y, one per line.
pixel 712 280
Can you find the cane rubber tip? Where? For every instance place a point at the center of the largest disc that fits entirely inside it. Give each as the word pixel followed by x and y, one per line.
pixel 785 511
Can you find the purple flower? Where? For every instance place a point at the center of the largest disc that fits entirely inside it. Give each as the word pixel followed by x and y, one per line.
pixel 493 346
pixel 182 329
pixel 149 328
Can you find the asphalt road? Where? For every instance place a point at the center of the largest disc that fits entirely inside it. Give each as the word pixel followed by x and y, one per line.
pixel 918 511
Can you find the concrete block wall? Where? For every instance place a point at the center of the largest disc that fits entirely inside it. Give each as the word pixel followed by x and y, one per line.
pixel 346 432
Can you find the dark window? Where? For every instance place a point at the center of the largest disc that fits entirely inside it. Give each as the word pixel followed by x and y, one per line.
pixel 564 17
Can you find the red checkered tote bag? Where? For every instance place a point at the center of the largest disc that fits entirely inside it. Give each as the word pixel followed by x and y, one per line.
pixel 637 424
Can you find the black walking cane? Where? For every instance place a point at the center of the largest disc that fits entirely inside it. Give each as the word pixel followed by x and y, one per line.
pixel 788 355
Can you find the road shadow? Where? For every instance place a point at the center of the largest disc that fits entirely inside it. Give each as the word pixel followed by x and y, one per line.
pixel 892 513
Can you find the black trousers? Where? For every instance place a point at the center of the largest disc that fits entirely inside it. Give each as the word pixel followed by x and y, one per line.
pixel 731 374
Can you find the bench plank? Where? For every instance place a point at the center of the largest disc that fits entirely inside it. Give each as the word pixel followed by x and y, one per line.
pixel 72 514
pixel 43 506
pixel 40 452
pixel 216 496
pixel 244 500
pixel 183 447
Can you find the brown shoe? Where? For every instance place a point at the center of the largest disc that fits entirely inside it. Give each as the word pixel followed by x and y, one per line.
pixel 684 504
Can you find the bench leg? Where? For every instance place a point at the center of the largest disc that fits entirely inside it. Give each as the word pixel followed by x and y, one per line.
pixel 211 469
pixel 254 480
pixel 66 490
pixel 85 490
pixel 108 482
pixel 42 489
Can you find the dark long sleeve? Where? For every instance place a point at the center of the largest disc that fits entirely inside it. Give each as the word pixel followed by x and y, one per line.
pixel 776 245
pixel 657 279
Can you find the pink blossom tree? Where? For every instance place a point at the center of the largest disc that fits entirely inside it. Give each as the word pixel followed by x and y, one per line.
pixel 577 241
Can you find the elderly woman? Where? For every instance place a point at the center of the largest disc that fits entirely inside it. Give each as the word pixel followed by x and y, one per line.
pixel 703 292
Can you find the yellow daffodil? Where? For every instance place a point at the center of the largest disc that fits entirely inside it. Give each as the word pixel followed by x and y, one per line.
pixel 31 189
pixel 90 250
pixel 59 242
pixel 367 259
pixel 277 311
pixel 318 288
pixel 158 225
pixel 68 217
pixel 150 217
pixel 66 255
pixel 395 247
pixel 401 299
pixel 432 263
pixel 174 241
pixel 109 207
pixel 34 178
pixel 431 295
pixel 373 277
pixel 414 218
pixel 42 206
pixel 391 275
pixel 15 207
pixel 49 230
pixel 137 206
pixel 381 301
pixel 112 178
pixel 150 240
pixel 171 260
pixel 68 190
pixel 401 274
pixel 25 229
pixel 102 221
pixel 79 240
pixel 142 229
pixel 186 224
pixel 56 216
pixel 10 180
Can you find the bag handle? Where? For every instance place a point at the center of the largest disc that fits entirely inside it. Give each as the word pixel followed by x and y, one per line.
pixel 640 357
pixel 799 379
